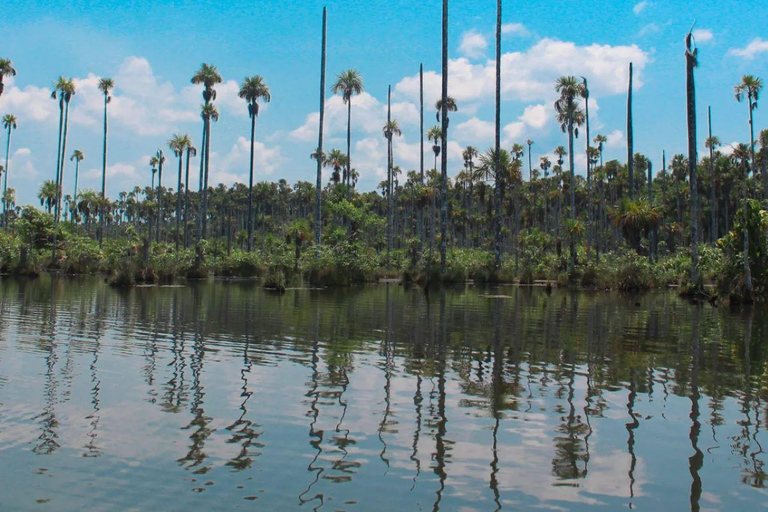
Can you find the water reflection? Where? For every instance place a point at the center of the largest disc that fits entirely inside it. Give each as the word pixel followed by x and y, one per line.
pixel 378 398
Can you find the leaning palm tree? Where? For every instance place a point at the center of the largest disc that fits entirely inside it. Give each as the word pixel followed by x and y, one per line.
pixel 749 88
pixel 9 124
pixel 77 157
pixel 6 69
pixel 179 144
pixel 105 86
pixel 569 117
pixel 252 90
pixel 348 83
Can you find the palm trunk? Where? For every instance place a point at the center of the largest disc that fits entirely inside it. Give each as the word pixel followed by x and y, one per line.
pixel 250 184
pixel 713 203
pixel 77 175
pixel 349 142
pixel 421 142
pixel 389 175
pixel 747 270
pixel 692 161
pixel 103 172
pixel 5 177
pixel 498 182
pixel 205 175
pixel 178 202
pixel 319 181
pixel 630 139
pixel 159 200
pixel 444 154
pixel 572 243
pixel 186 201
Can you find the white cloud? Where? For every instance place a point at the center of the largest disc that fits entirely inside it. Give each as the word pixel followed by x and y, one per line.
pixel 234 166
pixel 473 45
pixel 514 29
pixel 21 166
pixel 702 35
pixel 475 130
pixel 616 139
pixel 749 52
pixel 640 7
pixel 529 75
pixel 650 28
pixel 535 116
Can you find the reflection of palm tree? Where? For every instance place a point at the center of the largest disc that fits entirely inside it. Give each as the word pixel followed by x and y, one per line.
pixel 631 427
pixel 695 461
pixel 442 421
pixel 48 422
pixel 316 436
pixel 242 429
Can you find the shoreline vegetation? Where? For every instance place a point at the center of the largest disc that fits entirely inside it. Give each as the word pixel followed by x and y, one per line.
pixel 697 223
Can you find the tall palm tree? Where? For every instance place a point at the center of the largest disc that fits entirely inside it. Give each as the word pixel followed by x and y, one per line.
pixel 319 151
pixel 570 116
pixel 691 61
pixel 179 144
pixel 47 195
pixel 348 83
pixel 77 157
pixel 712 143
pixel 450 106
pixel 105 86
pixel 9 124
pixel 252 90
pixel 63 90
pixel 444 108
pixel 207 76
pixel 749 88
pixel 336 160
pixel 6 69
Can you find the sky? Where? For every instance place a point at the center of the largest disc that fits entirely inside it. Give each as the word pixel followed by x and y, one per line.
pixel 152 48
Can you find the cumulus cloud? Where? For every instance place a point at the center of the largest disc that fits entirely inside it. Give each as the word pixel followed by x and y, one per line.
pixel 703 35
pixel 514 29
pixel 233 167
pixel 21 166
pixel 529 75
pixel 650 28
pixel 473 45
pixel 752 50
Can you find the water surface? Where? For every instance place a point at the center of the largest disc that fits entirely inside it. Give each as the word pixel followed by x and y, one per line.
pixel 219 396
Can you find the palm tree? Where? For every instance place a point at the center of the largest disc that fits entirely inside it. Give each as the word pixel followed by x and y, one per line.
pixel 208 76
pixel 179 144
pixel 712 143
pixel 445 106
pixel 691 61
pixel 63 90
pixel 6 69
pixel 9 124
pixel 252 90
pixel 336 160
pixel 570 116
pixel 105 86
pixel 497 143
pixel 348 83
pixel 47 195
pixel 77 157
pixel 319 178
pixel 749 88
pixel 450 106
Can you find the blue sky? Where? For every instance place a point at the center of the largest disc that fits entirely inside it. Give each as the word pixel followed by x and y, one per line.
pixel 152 48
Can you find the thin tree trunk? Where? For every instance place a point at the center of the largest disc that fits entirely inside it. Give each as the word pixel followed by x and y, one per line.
pixel 690 60
pixel 186 201
pixel 319 182
pixel 178 202
pixel 444 153
pixel 572 242
pixel 250 183
pixel 103 172
pixel 630 139
pixel 498 181
pixel 389 175
pixel 205 177
pixel 5 177
pixel 713 203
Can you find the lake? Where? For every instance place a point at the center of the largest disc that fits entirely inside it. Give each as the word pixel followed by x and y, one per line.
pixel 222 396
